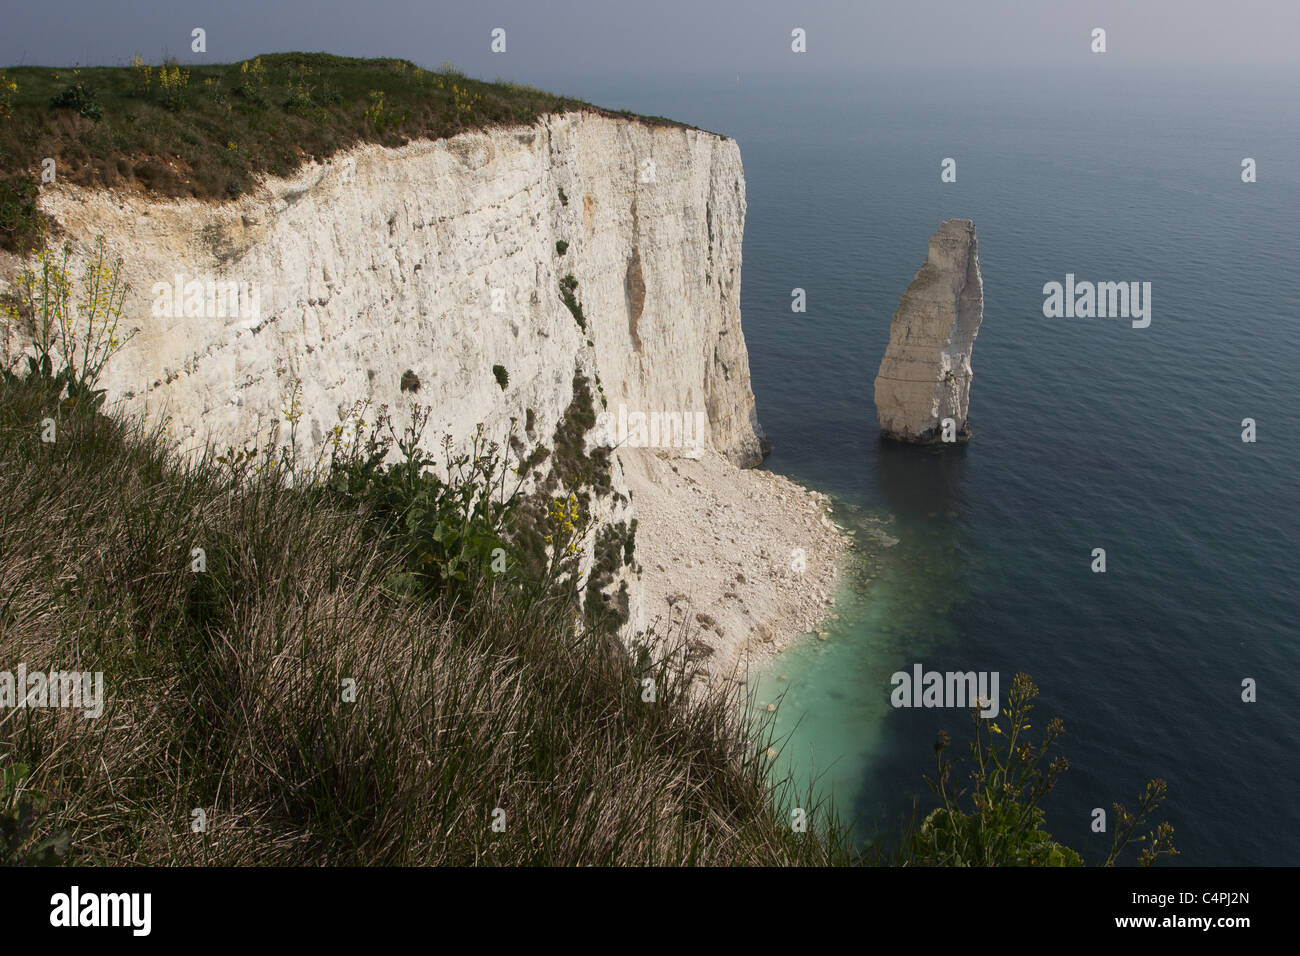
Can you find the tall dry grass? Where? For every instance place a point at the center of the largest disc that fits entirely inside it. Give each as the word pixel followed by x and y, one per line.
pixel 225 688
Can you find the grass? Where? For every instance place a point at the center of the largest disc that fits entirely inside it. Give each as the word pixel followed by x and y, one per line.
pixel 224 687
pixel 209 131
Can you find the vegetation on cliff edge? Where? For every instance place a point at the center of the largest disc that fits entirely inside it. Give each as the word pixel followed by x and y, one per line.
pixel 209 131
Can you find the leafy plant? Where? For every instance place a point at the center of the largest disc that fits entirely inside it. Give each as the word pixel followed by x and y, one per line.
pixel 301 94
pixel 212 85
pixel 568 290
pixel 8 90
pixel 23 814
pixel 447 528
pixel 464 100
pixel 1159 841
pixel 22 224
pixel 999 820
pixel 375 115
pixel 77 336
pixel 567 527
pixel 502 376
pixel 141 76
pixel 79 96
pixel 252 81
pixel 172 83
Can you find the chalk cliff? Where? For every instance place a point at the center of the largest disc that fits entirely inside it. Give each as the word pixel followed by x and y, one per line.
pixel 925 374
pixel 434 263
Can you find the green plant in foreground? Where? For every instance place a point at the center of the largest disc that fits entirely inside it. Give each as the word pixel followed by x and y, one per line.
pixel 567 526
pixel 76 335
pixel 1161 839
pixel 23 816
pixel 450 528
pixel 998 820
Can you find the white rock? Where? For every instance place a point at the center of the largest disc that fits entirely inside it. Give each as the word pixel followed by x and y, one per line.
pixel 382 260
pixel 925 374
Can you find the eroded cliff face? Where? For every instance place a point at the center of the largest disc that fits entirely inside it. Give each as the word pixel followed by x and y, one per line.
pixel 436 262
pixel 925 374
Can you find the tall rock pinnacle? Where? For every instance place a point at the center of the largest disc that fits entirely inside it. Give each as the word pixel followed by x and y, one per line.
pixel 925 374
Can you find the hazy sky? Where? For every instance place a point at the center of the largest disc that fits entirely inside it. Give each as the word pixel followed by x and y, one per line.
pixel 546 38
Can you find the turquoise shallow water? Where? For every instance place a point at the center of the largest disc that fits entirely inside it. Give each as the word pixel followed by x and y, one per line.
pixel 1088 433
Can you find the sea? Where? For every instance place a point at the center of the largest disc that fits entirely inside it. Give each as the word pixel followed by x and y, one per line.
pixel 1089 433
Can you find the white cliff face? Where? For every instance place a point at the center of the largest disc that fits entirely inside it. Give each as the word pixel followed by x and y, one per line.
pixel 440 258
pixel 925 374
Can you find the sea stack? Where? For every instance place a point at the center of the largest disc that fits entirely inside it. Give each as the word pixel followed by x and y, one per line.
pixel 925 374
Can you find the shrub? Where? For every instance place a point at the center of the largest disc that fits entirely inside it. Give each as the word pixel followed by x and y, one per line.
pixel 612 551
pixel 252 81
pixel 375 111
pixel 568 289
pixel 446 529
pixel 575 467
pixel 22 224
pixel 999 820
pixel 212 85
pixel 172 83
pixel 141 76
pixel 8 90
pixel 79 96
pixel 464 100
pixel 75 337
pixel 24 823
pixel 561 247
pixel 301 100
pixel 502 376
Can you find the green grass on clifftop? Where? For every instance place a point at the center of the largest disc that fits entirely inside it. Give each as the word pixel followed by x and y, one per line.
pixel 210 131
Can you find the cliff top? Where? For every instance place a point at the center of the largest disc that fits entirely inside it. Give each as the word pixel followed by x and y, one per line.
pixel 210 131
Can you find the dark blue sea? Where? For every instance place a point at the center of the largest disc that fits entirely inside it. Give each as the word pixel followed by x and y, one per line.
pixel 1088 433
